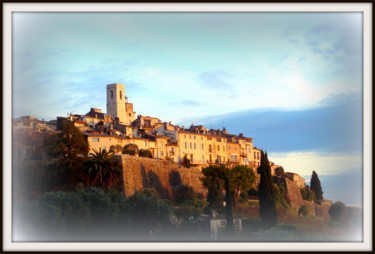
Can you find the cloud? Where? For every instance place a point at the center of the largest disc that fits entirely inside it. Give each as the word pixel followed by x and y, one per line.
pixel 216 80
pixel 334 125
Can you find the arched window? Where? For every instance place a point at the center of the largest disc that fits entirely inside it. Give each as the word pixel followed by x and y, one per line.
pixel 120 95
pixel 111 94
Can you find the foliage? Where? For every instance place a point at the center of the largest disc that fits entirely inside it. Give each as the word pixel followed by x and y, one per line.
pixel 267 202
pixel 337 211
pixel 131 149
pixel 241 179
pixel 316 187
pixel 145 153
pixel 213 181
pixel 174 178
pixel 303 211
pixel 102 169
pixel 228 202
pixel 84 210
pixel 182 193
pixel 68 144
pixel 279 171
pixel 243 197
pixel 186 162
pixel 115 149
pixel 279 191
pixel 191 208
pixel 307 194
pixel 148 211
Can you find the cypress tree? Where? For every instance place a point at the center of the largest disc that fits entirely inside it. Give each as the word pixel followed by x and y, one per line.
pixel 267 203
pixel 316 187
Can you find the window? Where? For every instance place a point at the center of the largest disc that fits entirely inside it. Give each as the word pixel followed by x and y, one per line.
pixel 161 153
pixel 111 94
pixel 249 150
pixel 203 158
pixel 223 148
pixel 201 138
pixel 120 95
pixel 202 146
pixel 195 146
pixel 210 148
pixel 184 136
pixel 145 143
pixel 235 148
pixel 218 147
pixel 229 147
pixel 185 144
pixel 95 139
pixel 161 144
pixel 218 139
pixel 190 136
pixel 258 155
pixel 255 155
pixel 191 157
pixel 191 146
pixel 172 149
pixel 194 137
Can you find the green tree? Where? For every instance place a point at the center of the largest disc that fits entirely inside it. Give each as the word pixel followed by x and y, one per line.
pixel 228 202
pixel 67 145
pixel 303 211
pixel 149 212
pixel 267 202
pixel 115 148
pixel 183 192
pixel 307 194
pixel 316 187
pixel 145 153
pixel 213 180
pixel 241 178
pixel 131 149
pixel 102 169
pixel 69 148
pixel 337 211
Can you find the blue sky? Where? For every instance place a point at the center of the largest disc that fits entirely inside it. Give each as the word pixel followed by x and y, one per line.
pixel 292 81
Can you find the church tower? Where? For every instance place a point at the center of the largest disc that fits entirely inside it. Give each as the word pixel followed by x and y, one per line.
pixel 116 102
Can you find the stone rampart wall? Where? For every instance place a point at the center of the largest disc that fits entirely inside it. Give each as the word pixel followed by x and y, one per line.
pixel 136 170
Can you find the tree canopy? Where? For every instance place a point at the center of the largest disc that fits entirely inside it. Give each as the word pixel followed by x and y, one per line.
pixel 69 144
pixel 131 149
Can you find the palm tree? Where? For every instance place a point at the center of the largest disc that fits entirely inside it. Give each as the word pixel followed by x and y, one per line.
pixel 102 169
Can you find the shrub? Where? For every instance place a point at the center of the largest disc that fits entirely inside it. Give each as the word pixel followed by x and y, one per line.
pixel 243 197
pixel 307 194
pixel 145 153
pixel 303 211
pixel 337 211
pixel 131 149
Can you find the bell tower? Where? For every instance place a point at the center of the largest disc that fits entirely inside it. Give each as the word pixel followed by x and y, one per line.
pixel 116 102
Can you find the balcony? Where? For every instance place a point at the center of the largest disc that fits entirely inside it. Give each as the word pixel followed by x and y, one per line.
pixel 197 162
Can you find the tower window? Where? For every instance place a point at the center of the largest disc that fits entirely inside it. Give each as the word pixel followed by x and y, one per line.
pixel 120 95
pixel 111 94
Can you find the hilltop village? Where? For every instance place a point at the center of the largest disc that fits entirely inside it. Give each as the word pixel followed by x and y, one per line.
pixel 120 126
